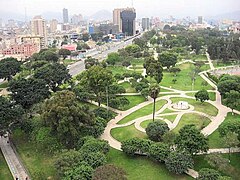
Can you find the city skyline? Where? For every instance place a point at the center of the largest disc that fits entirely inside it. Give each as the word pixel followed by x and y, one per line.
pixel 179 8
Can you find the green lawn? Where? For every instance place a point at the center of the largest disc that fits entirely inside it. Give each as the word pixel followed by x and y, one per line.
pixel 127 86
pixel 170 117
pixel 138 62
pixel 143 111
pixel 215 141
pixel 199 57
pixel 200 162
pixel 184 81
pixel 144 124
pixel 212 95
pixel 139 167
pixel 4 85
pixel 134 100
pixel 128 132
pixel 36 162
pixel 167 111
pixel 199 121
pixel 68 62
pixel 118 69
pixel 198 106
pixel 5 173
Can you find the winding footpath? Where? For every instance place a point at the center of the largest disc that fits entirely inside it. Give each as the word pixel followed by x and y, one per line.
pixel 216 121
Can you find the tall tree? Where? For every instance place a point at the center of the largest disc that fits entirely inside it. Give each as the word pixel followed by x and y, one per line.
pixel 90 61
pixel 153 69
pixel 192 140
pixel 231 141
pixel 9 67
pixel 232 100
pixel 9 113
pixel 202 95
pixel 64 53
pixel 66 118
pixel 153 93
pixel 95 80
pixel 156 130
pixel 167 59
pixel 113 58
pixel 28 92
pixel 54 74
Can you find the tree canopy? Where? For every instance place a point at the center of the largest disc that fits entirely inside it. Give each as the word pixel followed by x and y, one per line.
pixel 9 67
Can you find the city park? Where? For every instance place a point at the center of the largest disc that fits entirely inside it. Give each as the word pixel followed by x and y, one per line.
pixel 153 108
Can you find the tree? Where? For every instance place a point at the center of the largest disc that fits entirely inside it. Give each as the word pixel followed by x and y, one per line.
pixel 174 70
pixel 231 140
pixel 9 67
pixel 64 53
pixel 95 80
pixel 85 37
pixel 202 95
pixel 113 58
pixel 232 100
pixel 133 50
pixel 94 159
pixel 90 61
pixel 48 55
pixel 169 138
pixel 79 172
pixel 153 93
pixel 167 59
pixel 9 114
pixel 227 85
pixel 159 151
pixel 178 162
pixel 95 145
pixel 67 161
pixel 192 140
pixel 145 92
pixel 54 74
pixel 68 120
pixel 28 92
pixel 230 126
pixel 109 172
pixel 156 130
pixel 136 145
pixel 153 69
pixel 208 174
pixel 141 42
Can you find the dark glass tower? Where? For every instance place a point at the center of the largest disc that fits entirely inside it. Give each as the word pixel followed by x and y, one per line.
pixel 128 22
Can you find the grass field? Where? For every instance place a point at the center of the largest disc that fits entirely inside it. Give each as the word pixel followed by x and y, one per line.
pixel 200 162
pixel 4 85
pixel 198 106
pixel 215 141
pixel 134 100
pixel 35 161
pixel 139 61
pixel 68 62
pixel 127 86
pixel 5 173
pixel 184 81
pixel 170 117
pixel 128 132
pixel 118 70
pixel 142 112
pixel 138 167
pixel 199 121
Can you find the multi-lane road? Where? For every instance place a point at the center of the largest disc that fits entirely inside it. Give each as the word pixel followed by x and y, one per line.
pixel 79 66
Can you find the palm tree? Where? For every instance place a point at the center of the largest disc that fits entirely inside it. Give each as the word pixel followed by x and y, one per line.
pixel 153 93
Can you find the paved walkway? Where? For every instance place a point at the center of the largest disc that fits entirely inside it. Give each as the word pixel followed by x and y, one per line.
pixel 15 166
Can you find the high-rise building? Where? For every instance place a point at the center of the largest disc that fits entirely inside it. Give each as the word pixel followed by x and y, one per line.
pixel 76 19
pixel 145 24
pixel 125 19
pixel 38 28
pixel 53 25
pixel 65 15
pixel 200 19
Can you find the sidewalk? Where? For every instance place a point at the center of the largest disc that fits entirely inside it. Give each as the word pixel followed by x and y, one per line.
pixel 12 160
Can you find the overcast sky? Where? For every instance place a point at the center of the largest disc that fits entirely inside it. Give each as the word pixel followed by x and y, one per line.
pixel 143 7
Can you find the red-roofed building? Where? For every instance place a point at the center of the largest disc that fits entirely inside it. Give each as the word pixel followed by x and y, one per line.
pixel 70 47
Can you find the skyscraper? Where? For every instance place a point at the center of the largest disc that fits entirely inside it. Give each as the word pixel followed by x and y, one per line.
pixel 145 24
pixel 65 15
pixel 200 19
pixel 125 19
pixel 38 28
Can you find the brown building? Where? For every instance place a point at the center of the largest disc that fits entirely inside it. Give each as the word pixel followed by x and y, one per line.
pixel 21 51
pixel 39 28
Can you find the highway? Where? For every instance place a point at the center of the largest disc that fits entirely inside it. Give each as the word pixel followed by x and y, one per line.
pixel 79 66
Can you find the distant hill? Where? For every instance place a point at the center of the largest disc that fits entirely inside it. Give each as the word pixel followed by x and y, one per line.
pixel 232 15
pixel 101 15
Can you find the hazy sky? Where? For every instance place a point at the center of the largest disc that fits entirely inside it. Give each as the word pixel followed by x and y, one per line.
pixel 143 7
